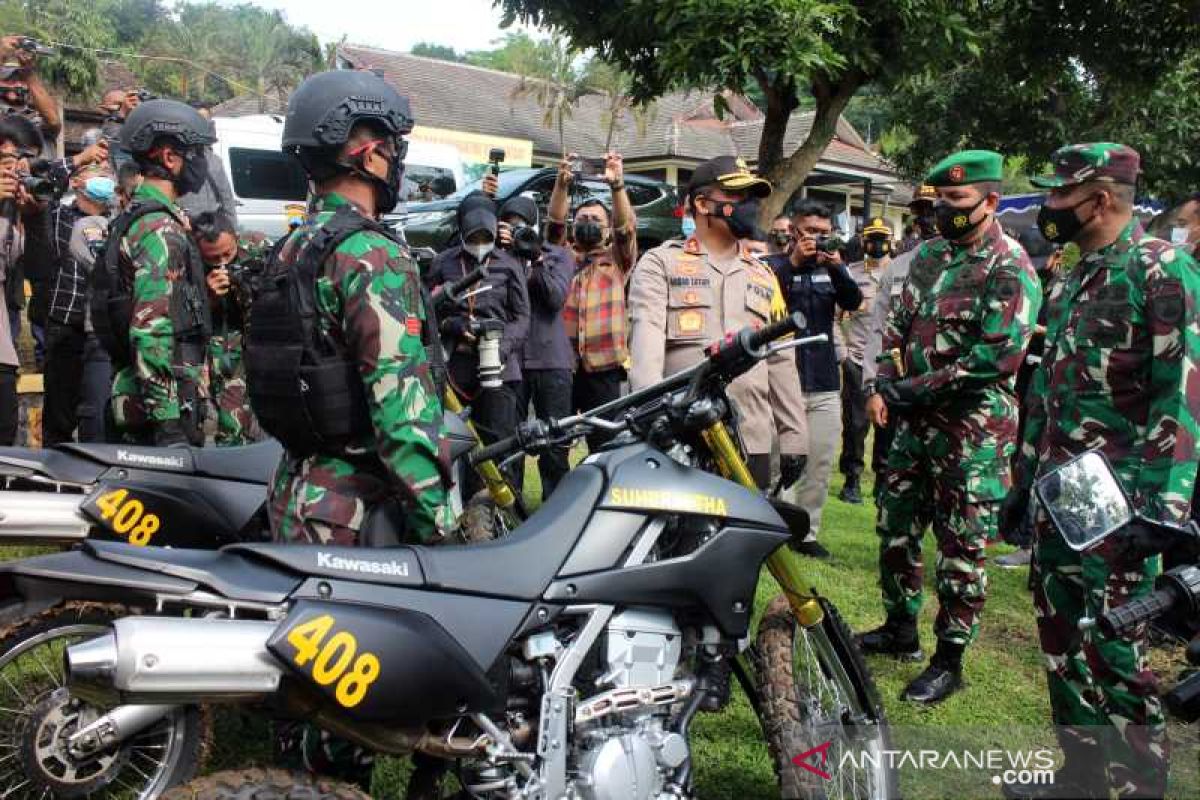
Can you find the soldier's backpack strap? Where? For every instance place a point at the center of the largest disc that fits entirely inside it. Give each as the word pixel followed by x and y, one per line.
pixel 112 294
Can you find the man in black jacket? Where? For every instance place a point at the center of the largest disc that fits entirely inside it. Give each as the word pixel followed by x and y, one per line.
pixel 499 302
pixel 817 283
pixel 548 359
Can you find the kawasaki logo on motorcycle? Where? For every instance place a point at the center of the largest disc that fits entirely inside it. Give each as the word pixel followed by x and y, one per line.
pixel 330 561
pixel 146 460
pixel 687 502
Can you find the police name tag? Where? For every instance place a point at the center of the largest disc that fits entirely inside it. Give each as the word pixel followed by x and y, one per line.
pixel 820 279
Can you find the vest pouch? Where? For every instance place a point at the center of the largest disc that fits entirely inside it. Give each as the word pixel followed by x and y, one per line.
pixel 335 400
pixel 276 397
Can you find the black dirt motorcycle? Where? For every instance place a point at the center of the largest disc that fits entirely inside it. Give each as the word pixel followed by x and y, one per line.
pixel 565 660
pixel 199 497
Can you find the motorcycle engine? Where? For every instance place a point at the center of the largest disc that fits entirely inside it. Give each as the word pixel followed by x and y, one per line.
pixel 624 748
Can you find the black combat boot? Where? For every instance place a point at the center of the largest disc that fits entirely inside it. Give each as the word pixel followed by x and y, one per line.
pixel 851 491
pixel 897 638
pixel 942 678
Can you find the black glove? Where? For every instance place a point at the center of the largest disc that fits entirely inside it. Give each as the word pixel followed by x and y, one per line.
pixel 456 327
pixel 1141 539
pixel 169 433
pixel 791 468
pixel 899 395
pixel 1013 511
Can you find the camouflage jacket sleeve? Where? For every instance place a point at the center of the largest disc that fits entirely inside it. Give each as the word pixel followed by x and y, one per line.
pixel 382 315
pixel 1033 421
pixel 1007 312
pixel 157 247
pixel 1171 449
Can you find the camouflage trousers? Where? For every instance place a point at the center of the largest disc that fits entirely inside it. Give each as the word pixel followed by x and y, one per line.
pixel 236 423
pixel 931 481
pixel 1103 695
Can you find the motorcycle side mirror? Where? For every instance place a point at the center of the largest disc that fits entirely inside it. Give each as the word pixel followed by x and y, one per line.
pixel 1084 500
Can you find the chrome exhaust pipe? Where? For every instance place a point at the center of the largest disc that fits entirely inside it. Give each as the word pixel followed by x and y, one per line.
pixel 41 518
pixel 155 660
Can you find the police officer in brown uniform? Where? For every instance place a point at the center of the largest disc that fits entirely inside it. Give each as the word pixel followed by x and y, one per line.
pixel 684 295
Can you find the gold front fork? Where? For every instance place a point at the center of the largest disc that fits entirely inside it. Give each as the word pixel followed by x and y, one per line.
pixel 493 479
pixel 783 563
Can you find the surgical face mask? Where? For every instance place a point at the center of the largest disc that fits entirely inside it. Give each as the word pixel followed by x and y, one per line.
pixel 1180 235
pixel 781 239
pixel 688 226
pixel 99 189
pixel 479 251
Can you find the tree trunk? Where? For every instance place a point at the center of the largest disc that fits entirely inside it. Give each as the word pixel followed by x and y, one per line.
pixel 781 102
pixel 788 175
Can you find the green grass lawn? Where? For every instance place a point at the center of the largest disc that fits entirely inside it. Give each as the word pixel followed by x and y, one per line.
pixel 1003 705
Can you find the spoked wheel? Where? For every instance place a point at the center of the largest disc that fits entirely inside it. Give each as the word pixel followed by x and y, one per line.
pixel 818 698
pixel 38 717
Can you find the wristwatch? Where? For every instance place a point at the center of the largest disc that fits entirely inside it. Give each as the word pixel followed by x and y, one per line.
pixel 869 388
pixel 617 187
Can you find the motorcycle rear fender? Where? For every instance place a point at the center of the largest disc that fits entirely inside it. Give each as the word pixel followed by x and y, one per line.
pixel 32 584
pixel 55 465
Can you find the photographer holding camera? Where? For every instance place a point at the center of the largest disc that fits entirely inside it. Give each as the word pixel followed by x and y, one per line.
pixel 232 264
pixel 485 334
pixel 117 105
pixel 818 284
pixel 22 91
pixel 547 360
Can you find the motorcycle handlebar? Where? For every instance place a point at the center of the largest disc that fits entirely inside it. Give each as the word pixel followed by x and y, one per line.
pixel 792 323
pixel 1119 620
pixel 494 451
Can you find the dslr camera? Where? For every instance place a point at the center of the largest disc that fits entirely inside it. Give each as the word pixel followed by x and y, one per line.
pixel 829 243
pixel 526 242
pixel 40 184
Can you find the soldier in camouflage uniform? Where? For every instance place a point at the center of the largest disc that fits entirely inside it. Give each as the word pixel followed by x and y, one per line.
pixel 346 129
pixel 160 389
pixel 232 263
pixel 962 323
pixel 1118 375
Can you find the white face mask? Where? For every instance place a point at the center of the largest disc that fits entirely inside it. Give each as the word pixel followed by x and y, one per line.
pixel 1180 235
pixel 479 251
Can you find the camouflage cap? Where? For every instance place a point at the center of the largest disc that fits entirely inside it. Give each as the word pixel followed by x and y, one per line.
pixel 1091 161
pixel 967 166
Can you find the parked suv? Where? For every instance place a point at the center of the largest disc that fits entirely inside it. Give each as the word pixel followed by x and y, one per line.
pixel 433 224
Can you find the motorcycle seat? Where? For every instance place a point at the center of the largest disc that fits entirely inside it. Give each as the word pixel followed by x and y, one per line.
pixel 518 566
pixel 254 463
pixel 225 573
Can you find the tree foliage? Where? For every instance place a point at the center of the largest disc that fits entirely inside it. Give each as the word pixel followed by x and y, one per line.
pixel 208 51
pixel 1051 73
pixel 788 49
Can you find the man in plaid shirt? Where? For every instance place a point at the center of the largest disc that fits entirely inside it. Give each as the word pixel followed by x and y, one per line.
pixel 604 241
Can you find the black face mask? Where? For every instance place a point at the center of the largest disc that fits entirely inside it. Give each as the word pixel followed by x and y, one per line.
pixel 1061 225
pixel 876 249
pixel 927 226
pixel 588 234
pixel 781 240
pixel 954 222
pixel 194 174
pixel 741 217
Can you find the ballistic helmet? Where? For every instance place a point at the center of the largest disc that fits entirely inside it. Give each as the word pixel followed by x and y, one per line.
pixel 164 118
pixel 326 107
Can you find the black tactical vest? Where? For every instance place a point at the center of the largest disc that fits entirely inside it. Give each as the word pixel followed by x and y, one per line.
pixel 304 388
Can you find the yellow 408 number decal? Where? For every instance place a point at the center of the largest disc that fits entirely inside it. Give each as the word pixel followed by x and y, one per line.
pixel 332 659
pixel 127 515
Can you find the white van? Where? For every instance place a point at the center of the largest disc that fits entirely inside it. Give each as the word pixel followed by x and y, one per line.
pixel 266 181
